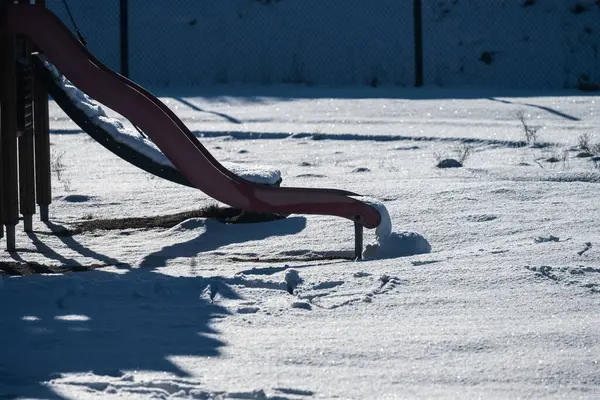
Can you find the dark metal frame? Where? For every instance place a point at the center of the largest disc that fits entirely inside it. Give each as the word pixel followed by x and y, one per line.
pixel 24 138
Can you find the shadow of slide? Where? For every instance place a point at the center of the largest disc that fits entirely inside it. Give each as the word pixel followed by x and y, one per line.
pixel 259 94
pixel 37 238
pixel 356 137
pixel 214 234
pixel 100 322
pixel 194 107
pixel 544 108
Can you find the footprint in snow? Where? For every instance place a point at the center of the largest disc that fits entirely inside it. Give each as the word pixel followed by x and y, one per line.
pixel 117 383
pixel 582 276
pixel 247 310
pixel 295 392
pixel 449 163
pixel 361 169
pixel 303 305
pixel 310 176
pixel 545 239
pixel 335 294
pixel 586 247
pixel 406 148
pixel 77 198
pixel 481 218
pixel 418 263
pixel 387 283
pixel 327 285
pixel 503 191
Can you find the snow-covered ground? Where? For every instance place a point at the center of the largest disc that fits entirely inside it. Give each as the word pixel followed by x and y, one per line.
pixel 505 305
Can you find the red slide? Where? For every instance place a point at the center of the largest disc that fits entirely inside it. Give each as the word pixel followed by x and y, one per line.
pixel 167 131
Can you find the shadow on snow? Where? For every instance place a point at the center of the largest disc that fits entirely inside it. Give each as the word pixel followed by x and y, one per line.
pixel 109 323
pixel 215 235
pixel 100 322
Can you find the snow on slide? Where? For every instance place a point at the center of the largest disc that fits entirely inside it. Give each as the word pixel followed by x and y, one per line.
pixel 387 244
pixel 257 174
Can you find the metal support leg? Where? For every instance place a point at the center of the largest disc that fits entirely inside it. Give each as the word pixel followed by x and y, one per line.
pixel 10 187
pixel 44 215
pixel 42 148
pixel 24 98
pixel 28 223
pixel 10 238
pixel 358 241
pixel 1 173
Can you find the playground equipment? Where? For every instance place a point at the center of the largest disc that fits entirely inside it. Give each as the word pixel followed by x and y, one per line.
pixel 25 116
pixel 24 140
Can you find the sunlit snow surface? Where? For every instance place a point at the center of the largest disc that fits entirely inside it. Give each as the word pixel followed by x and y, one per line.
pixel 505 305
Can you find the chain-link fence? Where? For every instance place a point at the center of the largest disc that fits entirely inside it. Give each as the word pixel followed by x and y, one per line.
pixel 499 43
pixel 508 43
pixel 98 21
pixel 251 41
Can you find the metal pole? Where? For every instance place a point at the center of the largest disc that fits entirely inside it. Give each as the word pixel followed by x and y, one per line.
pixel 1 130
pixel 124 20
pixel 10 197
pixel 24 97
pixel 358 241
pixel 418 31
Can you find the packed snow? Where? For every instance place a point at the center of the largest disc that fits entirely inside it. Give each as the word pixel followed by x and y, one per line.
pixel 490 289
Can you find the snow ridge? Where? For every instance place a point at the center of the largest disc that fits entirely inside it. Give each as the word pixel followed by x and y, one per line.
pixel 390 244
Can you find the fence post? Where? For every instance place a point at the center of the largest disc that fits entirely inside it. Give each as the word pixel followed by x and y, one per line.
pixel 124 19
pixel 1 133
pixel 10 196
pixel 418 27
